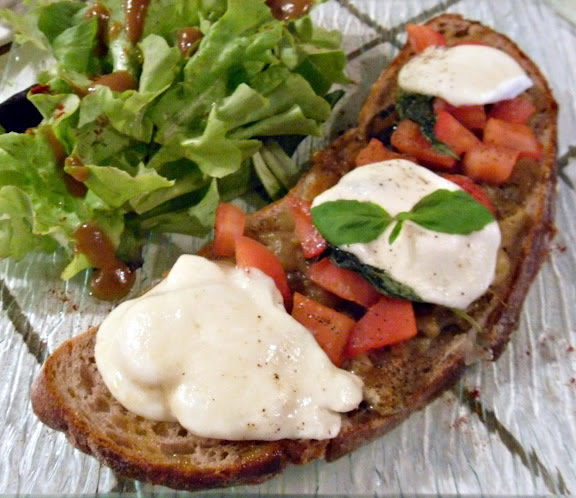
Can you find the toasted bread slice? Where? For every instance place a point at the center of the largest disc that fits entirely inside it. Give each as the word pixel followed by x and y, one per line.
pixel 69 394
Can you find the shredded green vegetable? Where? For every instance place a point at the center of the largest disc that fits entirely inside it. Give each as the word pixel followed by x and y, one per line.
pixel 160 156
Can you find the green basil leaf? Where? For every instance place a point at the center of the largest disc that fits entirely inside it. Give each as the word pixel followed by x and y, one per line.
pixel 420 109
pixel 379 278
pixel 349 222
pixel 447 211
pixel 395 232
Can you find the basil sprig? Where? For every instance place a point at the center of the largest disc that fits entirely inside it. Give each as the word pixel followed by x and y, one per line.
pixel 420 109
pixel 445 211
pixel 349 222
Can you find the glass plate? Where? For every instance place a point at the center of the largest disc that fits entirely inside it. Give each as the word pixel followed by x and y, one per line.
pixel 566 8
pixel 506 428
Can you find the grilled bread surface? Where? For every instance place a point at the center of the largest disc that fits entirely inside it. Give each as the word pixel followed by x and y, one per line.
pixel 69 394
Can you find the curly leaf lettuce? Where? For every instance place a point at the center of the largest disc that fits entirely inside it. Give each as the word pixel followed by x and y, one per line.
pixel 160 154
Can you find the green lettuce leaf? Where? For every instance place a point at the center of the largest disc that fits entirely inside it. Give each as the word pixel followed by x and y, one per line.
pixel 119 110
pixel 116 187
pixel 38 199
pixel 55 108
pixel 165 17
pixel 185 176
pixel 315 54
pixel 214 153
pixel 195 220
pixel 17 236
pixel 161 64
pixel 101 145
pixel 25 28
pixel 246 32
pixel 182 112
pixel 55 18
pixel 75 47
pixel 79 263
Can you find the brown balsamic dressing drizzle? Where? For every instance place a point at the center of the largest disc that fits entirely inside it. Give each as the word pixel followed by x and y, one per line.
pixel 76 168
pixel 134 13
pixel 286 10
pixel 101 13
pixel 118 81
pixel 112 279
pixel 188 40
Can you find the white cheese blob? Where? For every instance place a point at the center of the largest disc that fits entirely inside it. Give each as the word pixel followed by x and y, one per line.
pixel 464 75
pixel 212 347
pixel 451 270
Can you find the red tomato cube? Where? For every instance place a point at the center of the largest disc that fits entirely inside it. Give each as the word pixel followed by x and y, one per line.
pixel 421 37
pixel 346 284
pixel 490 163
pixel 229 225
pixel 310 239
pixel 408 138
pixel 449 130
pixel 389 321
pixel 518 110
pixel 252 254
pixel 330 328
pixel 513 135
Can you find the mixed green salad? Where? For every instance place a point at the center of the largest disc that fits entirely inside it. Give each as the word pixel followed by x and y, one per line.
pixel 154 131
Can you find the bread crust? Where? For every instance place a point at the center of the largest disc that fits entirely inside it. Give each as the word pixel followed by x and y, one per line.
pixel 398 380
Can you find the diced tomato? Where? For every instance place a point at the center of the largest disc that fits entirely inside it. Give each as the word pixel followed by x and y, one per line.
pixel 472 117
pixel 312 243
pixel 252 254
pixel 473 189
pixel 421 37
pixel 518 110
pixel 408 138
pixel 389 321
pixel 513 135
pixel 376 152
pixel 449 130
pixel 229 225
pixel 330 328
pixel 344 283
pixel 490 163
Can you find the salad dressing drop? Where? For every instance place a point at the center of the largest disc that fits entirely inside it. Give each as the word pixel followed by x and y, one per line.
pixel 118 81
pixel 288 9
pixel 76 168
pixel 112 278
pixel 188 40
pixel 103 15
pixel 135 12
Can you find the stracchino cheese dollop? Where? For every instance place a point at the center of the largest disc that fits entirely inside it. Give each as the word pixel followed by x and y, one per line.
pixel 464 75
pixel 441 268
pixel 213 348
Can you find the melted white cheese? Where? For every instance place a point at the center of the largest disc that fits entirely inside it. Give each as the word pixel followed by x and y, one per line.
pixel 464 75
pixel 451 270
pixel 212 347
